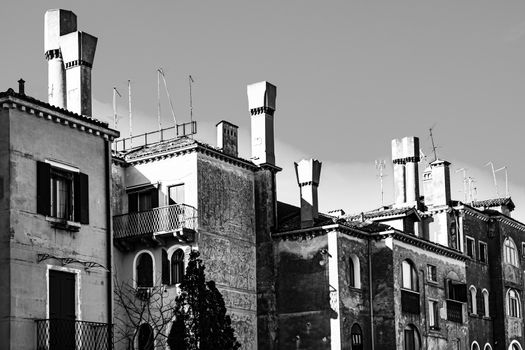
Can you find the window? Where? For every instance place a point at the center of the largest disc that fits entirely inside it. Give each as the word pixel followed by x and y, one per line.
pixel 480 303
pixel 412 341
pixel 510 252
pixel 457 296
pixel 143 199
pixel 471 250
pixel 473 300
pixel 486 303
pixel 62 192
pixel 482 252
pixel 165 268
pixel 357 337
pixel 474 346
pixel 515 345
pixel 144 270
pixel 177 266
pixel 433 314
pixel 354 272
pixel 431 273
pixel 145 337
pixel 409 275
pixel 513 303
pixel 487 347
pixel 176 194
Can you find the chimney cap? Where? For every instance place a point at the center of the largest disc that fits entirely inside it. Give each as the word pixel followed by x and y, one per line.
pixel 227 122
pixel 261 95
pixel 439 162
pixel 58 22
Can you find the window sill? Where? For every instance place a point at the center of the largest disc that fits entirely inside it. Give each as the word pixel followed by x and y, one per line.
pixel 473 315
pixel 64 224
pixel 487 318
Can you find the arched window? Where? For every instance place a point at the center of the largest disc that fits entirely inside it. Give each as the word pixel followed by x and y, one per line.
pixel 409 274
pixel 510 252
pixel 145 337
pixel 357 337
pixel 412 340
pixel 515 345
pixel 144 270
pixel 480 305
pixel 474 346
pixel 486 304
pixel 177 266
pixel 473 300
pixel 487 347
pixel 354 272
pixel 165 268
pixel 513 303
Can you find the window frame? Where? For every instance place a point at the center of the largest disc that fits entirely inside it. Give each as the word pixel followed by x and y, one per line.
pixel 136 271
pixel 486 300
pixel 483 258
pixel 432 273
pixel 412 283
pixel 433 314
pixel 354 272
pixel 511 310
pixel 356 337
pixel 510 252
pixel 177 266
pixel 473 300
pixel 471 243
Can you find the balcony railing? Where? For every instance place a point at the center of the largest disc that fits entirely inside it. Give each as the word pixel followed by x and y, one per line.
pixel 410 301
pixel 164 219
pixel 455 311
pixel 60 334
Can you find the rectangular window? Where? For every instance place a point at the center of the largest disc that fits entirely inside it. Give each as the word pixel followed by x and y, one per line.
pixel 431 273
pixel 471 249
pixel 433 314
pixel 523 249
pixel 143 199
pixel 482 252
pixel 176 194
pixel 62 192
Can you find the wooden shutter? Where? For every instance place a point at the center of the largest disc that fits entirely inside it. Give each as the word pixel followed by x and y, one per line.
pixel 81 198
pixel 43 188
pixel 154 198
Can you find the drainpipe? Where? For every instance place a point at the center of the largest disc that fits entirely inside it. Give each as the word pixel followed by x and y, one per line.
pixel 109 242
pixel 372 335
pixel 425 305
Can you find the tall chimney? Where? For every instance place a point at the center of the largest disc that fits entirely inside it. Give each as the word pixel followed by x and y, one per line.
pixel 227 138
pixel 440 183
pixel 308 173
pixel 57 23
pixel 78 50
pixel 405 156
pixel 261 102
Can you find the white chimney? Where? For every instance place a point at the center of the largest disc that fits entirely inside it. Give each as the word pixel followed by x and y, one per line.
pixel 308 173
pixel 78 51
pixel 440 185
pixel 405 156
pixel 57 22
pixel 261 102
pixel 227 136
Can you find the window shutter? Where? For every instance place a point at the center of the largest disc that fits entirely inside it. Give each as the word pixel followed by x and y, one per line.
pixel 81 198
pixel 43 190
pixel 154 198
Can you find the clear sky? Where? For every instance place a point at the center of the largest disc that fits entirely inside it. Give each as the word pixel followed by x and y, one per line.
pixel 350 75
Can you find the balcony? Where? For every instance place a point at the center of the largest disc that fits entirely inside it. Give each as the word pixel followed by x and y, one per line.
pixel 178 222
pixel 455 311
pixel 410 302
pixel 60 334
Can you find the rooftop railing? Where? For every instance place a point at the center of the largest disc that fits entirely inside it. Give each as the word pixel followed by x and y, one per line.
pixel 63 334
pixel 163 219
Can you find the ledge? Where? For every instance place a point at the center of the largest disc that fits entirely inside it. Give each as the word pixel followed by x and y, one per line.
pixel 63 224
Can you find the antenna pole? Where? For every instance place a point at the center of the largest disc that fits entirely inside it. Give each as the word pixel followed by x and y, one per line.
pixel 161 72
pixel 130 119
pixel 433 145
pixel 464 182
pixel 190 80
pixel 158 99
pixel 380 165
pixel 506 180
pixel 494 177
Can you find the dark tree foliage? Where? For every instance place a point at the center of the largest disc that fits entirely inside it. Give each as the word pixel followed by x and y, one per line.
pixel 201 320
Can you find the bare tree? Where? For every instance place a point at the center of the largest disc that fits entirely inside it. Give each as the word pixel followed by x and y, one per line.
pixel 136 307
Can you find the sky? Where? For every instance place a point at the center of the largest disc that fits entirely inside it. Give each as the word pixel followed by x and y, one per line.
pixel 350 76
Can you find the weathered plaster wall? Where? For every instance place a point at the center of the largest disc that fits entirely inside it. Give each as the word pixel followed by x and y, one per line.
pixel 38 139
pixel 449 331
pixel 303 302
pixel 227 239
pixel 5 190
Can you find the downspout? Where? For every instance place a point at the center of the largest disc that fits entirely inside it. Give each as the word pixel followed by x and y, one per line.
pixel 372 335
pixel 425 304
pixel 109 244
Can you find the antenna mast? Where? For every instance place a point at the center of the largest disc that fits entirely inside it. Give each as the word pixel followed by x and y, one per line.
pixel 129 106
pixel 494 177
pixel 115 115
pixel 471 189
pixel 190 80
pixel 433 145
pixel 464 182
pixel 158 98
pixel 380 165
pixel 163 75
pixel 507 195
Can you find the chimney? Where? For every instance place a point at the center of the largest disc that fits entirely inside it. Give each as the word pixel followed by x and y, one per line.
pixel 440 188
pixel 57 23
pixel 261 102
pixel 308 173
pixel 427 185
pixel 227 138
pixel 78 51
pixel 21 86
pixel 405 156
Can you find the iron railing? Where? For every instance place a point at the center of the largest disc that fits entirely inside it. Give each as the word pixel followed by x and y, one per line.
pixel 164 219
pixel 62 334
pixel 455 311
pixel 410 302
pixel 180 130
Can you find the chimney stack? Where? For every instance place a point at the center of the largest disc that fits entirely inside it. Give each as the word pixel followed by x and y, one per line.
pixel 78 51
pixel 308 173
pixel 261 102
pixel 405 156
pixel 440 184
pixel 57 23
pixel 21 86
pixel 227 139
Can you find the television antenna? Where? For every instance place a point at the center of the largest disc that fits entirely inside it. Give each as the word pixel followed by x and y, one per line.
pixel 115 114
pixel 161 74
pixel 472 190
pixel 494 177
pixel 433 144
pixel 507 195
pixel 130 119
pixel 380 166
pixel 464 170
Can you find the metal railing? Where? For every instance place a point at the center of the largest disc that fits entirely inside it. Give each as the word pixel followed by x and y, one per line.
pixel 180 130
pixel 164 219
pixel 410 301
pixel 62 334
pixel 455 311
